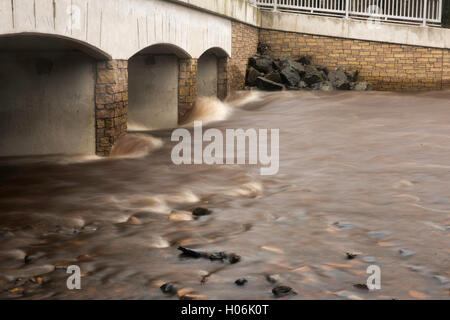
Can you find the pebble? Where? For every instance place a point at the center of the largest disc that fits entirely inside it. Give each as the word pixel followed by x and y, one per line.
pixel 241 281
pixel 198 212
pixel 283 291
pixel 169 288
pixel 33 257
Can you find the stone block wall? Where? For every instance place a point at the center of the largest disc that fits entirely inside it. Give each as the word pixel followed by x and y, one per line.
pixel 222 78
pixel 244 45
pixel 387 66
pixel 187 86
pixel 111 104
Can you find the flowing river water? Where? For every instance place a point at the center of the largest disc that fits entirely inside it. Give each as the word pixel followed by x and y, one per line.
pixel 359 172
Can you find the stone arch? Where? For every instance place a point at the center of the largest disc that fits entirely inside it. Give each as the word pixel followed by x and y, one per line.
pixel 153 84
pixel 48 95
pixel 212 73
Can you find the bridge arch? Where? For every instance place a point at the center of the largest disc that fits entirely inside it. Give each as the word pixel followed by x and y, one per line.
pixel 47 91
pixel 153 86
pixel 212 73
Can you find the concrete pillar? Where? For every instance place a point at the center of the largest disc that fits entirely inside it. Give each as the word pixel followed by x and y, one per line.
pixel 187 86
pixel 111 104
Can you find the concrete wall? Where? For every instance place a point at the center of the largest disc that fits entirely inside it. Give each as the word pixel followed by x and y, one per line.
pixel 153 91
pixel 207 75
pixel 118 28
pixel 47 113
pixel 414 35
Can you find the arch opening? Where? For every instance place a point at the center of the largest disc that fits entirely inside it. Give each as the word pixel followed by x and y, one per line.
pixel 47 91
pixel 211 73
pixel 153 75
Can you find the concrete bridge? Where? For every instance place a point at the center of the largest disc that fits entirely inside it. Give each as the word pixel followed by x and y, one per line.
pixel 74 73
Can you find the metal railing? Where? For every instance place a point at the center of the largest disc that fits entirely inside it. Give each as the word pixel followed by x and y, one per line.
pixel 409 11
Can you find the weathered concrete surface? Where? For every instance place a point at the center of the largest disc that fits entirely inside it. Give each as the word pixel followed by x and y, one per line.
pixel 120 28
pixel 239 10
pixel 413 35
pixel 207 75
pixel 47 103
pixel 153 91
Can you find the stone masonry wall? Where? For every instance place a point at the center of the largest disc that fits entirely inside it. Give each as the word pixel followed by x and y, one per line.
pixel 187 86
pixel 386 66
pixel 243 46
pixel 111 104
pixel 222 79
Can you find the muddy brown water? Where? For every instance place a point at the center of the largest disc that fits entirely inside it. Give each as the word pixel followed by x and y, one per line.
pixel 364 172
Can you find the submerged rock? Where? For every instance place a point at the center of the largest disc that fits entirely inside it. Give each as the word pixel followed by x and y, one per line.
pixel 241 282
pixel 213 256
pixel 283 291
pixel 169 289
pixel 198 212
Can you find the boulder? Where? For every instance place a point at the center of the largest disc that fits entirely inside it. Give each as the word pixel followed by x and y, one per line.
pixel 290 76
pixel 274 76
pixel 252 74
pixel 339 79
pixel 312 75
pixel 326 86
pixel 305 60
pixel 352 75
pixel 289 62
pixel 361 86
pixel 265 84
pixel 262 63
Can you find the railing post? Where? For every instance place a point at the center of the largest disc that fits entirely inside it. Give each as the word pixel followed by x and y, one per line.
pixel 275 5
pixel 425 5
pixel 347 8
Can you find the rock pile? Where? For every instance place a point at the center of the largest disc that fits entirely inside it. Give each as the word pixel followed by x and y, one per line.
pixel 270 74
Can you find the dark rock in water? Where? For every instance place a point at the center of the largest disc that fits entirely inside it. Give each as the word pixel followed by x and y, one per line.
pixel 351 255
pixel 306 60
pixel 191 253
pixel 218 256
pixel 339 79
pixel 274 76
pixel 379 234
pixel 312 75
pixel 252 74
pixel 264 84
pixel 361 286
pixel 234 258
pixel 241 281
pixel 290 76
pixel 169 289
pixel 262 63
pixel 33 257
pixel 283 291
pixel 198 212
pixel 213 256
